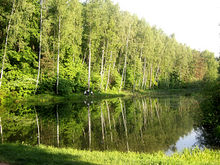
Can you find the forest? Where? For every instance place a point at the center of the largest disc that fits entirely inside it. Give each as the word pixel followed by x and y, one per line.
pixel 68 46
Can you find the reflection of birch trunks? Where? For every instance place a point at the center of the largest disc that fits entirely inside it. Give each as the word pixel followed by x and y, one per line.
pixel 109 120
pixel 38 128
pixel 58 138
pixel 125 123
pixel 144 112
pixel 89 124
pixel 102 123
pixel 158 116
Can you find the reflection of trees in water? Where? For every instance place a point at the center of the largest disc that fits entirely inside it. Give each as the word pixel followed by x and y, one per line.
pixel 38 127
pixel 123 112
pixel 210 119
pixel 208 138
pixel 144 124
pixel 19 126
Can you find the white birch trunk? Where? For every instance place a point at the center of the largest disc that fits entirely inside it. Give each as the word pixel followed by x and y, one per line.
pixel 84 58
pixel 151 70
pixel 122 76
pixel 157 72
pixel 89 69
pixel 102 69
pixel 109 70
pixel 125 63
pixel 39 53
pixel 6 43
pixel 58 58
pixel 1 131
pixel 144 74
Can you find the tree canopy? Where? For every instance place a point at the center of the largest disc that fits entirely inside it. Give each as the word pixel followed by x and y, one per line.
pixel 119 50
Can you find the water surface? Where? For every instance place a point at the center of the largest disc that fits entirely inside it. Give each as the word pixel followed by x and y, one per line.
pixel 146 124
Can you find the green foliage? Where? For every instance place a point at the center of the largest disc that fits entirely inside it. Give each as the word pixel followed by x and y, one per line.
pixel 46 86
pixel 121 44
pixel 65 87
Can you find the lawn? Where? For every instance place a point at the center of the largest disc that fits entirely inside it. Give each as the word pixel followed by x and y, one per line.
pixel 25 154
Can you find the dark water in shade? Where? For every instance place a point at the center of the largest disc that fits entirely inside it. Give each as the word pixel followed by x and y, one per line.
pixel 143 124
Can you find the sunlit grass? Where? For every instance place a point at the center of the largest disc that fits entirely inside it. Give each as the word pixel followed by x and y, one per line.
pixel 25 154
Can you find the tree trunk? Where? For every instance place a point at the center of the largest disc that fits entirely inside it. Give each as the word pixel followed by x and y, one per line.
pixel 134 77
pixel 6 43
pixel 126 53
pixel 58 58
pixel 102 69
pixel 119 60
pixel 84 57
pixel 73 58
pixel 1 132
pixel 123 72
pixel 134 86
pixel 89 69
pixel 39 53
pixel 151 70
pixel 144 74
pixel 157 72
pixel 109 70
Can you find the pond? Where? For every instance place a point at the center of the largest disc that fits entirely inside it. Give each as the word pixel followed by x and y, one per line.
pixel 140 124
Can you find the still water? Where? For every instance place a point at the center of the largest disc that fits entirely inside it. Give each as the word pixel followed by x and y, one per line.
pixel 146 124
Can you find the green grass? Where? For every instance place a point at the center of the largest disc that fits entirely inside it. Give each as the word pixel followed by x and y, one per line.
pixel 78 97
pixel 25 154
pixel 75 97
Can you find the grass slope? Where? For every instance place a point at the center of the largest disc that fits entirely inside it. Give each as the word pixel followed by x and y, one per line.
pixel 29 155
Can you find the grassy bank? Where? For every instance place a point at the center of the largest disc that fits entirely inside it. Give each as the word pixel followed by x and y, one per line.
pixel 24 154
pixel 78 97
pixel 43 98
pixel 107 95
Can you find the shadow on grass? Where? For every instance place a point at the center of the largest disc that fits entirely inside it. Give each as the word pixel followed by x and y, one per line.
pixel 22 155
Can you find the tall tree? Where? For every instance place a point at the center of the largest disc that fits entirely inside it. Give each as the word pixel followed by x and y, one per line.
pixel 58 56
pixel 39 53
pixel 6 42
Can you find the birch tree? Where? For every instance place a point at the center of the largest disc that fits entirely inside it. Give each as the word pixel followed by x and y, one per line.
pixel 6 42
